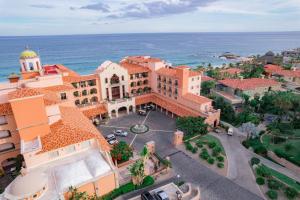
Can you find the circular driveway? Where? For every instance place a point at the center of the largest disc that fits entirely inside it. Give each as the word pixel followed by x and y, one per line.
pixel 161 129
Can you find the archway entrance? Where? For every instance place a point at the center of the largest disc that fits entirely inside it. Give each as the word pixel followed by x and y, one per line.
pixel 122 111
pixel 215 123
pixel 113 113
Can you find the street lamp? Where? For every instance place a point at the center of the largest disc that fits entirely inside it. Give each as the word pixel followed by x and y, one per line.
pixel 178 178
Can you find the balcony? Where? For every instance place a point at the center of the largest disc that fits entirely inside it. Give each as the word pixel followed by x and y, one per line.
pixel 7 147
pixel 30 146
pixel 5 134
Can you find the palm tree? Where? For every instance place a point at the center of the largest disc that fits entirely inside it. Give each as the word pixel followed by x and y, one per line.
pixel 137 169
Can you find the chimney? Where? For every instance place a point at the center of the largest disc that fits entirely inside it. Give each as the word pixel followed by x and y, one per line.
pixel 183 75
pixel 294 69
pixel 13 78
pixel 241 78
pixel 262 76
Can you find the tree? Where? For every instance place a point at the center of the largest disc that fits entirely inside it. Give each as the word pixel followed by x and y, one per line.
pixel 283 103
pixel 121 152
pixel 251 130
pixel 227 112
pixel 137 169
pixel 206 86
pixel 76 195
pixel 192 125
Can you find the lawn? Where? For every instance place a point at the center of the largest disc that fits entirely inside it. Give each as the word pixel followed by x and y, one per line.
pixel 290 147
pixel 283 178
pixel 209 138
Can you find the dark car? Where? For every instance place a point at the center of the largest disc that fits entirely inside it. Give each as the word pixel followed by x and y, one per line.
pixel 147 196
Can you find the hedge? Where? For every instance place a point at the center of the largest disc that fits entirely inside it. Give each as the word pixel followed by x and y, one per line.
pixel 128 187
pixel 211 161
pixel 220 165
pixel 220 158
pixel 255 161
pixel 260 180
pixel 290 193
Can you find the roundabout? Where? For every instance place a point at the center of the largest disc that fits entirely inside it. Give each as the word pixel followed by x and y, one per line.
pixel 139 129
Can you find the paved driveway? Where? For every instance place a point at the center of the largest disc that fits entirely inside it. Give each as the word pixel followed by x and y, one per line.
pixel 212 185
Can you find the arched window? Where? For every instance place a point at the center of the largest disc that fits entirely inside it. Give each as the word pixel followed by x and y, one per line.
pixel 93 91
pixel 31 67
pixel 84 101
pixel 76 94
pixel 77 102
pixel 94 99
pixel 114 79
pixel 84 92
pixel 145 82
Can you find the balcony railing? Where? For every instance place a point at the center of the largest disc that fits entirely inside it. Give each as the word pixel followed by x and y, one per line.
pixel 3 120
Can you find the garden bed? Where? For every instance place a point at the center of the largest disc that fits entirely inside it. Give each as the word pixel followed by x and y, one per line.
pixel 209 151
pixel 274 184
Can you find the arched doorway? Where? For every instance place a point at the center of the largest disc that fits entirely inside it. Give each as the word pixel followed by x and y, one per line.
pixel 113 113
pixel 215 123
pixel 122 111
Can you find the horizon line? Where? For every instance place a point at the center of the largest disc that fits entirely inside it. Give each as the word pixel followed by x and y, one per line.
pixel 132 33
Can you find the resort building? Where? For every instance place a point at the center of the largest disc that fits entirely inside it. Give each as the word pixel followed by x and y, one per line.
pixel 277 72
pixel 47 115
pixel 233 89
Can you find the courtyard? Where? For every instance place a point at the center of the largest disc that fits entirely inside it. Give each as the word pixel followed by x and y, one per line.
pixel 161 129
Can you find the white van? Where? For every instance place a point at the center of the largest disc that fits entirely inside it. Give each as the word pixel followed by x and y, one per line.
pixel 142 112
pixel 230 132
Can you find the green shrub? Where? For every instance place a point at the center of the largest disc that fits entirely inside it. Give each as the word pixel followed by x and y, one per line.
pixel 288 147
pixel 260 180
pixel 263 171
pixel 274 184
pixel 194 150
pixel 212 144
pixel 220 158
pixel 220 165
pixel 199 144
pixel 216 150
pixel 255 161
pixel 204 155
pixel 189 146
pixel 290 193
pixel 211 161
pixel 272 194
pixel 204 150
pixel 261 150
pixel 246 144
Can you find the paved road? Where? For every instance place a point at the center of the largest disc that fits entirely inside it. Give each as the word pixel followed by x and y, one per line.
pixel 234 144
pixel 213 186
pixel 239 170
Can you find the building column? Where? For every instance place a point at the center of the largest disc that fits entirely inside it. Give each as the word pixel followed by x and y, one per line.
pixel 109 93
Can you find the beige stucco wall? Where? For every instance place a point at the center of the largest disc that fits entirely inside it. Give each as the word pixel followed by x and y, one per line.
pixel 194 85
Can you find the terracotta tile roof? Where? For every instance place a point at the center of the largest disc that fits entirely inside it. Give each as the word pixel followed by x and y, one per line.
pixel 143 59
pixel 275 69
pixel 232 71
pixel 196 99
pixel 133 68
pixel 248 84
pixel 50 98
pixel 5 109
pixel 23 92
pixel 92 112
pixel 206 78
pixel 62 68
pixel 171 72
pixel 59 88
pixel 165 103
pixel 73 128
pixel 72 79
pixel 194 73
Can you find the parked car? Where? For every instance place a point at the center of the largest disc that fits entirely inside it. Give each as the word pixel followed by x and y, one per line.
pixel 150 107
pixel 111 139
pixel 161 195
pixel 120 133
pixel 147 196
pixel 216 130
pixel 142 112
pixel 230 132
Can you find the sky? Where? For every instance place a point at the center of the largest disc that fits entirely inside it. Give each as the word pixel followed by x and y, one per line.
pixel 63 17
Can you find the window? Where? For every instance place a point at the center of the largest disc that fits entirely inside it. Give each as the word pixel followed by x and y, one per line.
pixel 131 76
pixel 93 91
pixel 76 94
pixel 6 147
pixel 75 85
pixel 3 120
pixel 192 79
pixel 85 144
pixel 85 101
pixel 122 78
pixel 31 68
pixel 77 102
pixel 5 134
pixel 106 80
pixel 35 196
pixel 63 96
pixel 192 87
pixel 84 92
pixel 82 84
pixel 92 82
pixel 53 154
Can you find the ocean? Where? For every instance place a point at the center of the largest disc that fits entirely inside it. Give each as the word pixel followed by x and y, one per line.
pixel 83 53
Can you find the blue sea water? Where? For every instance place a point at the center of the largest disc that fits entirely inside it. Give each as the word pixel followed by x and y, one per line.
pixel 83 53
